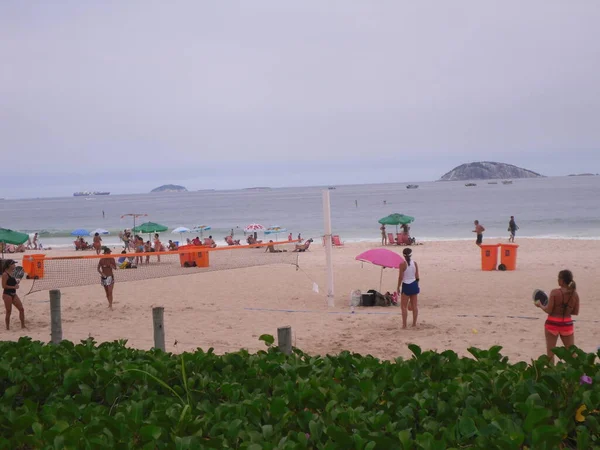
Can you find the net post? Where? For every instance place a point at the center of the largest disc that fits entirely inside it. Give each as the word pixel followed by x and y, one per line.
pixel 55 317
pixel 159 327
pixel 328 248
pixel 284 339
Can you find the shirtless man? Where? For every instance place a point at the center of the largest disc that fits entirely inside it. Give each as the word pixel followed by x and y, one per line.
pixel 479 229
pixel 35 241
pixel 107 278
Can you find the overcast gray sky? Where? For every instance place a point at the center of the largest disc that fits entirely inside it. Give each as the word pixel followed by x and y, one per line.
pixel 130 95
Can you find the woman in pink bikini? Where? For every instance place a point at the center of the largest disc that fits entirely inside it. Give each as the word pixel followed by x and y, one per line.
pixel 562 304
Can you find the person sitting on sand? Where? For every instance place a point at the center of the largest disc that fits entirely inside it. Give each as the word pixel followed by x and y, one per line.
pixel 562 304
pixel 196 241
pixel 107 277
pixel 210 242
pixel 231 241
pixel 271 248
pixel 303 247
pixel 172 245
pixel 252 240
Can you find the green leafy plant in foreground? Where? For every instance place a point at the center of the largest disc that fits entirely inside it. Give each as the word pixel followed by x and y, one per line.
pixel 110 396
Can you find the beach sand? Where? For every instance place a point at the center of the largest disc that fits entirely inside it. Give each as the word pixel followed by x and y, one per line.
pixel 460 305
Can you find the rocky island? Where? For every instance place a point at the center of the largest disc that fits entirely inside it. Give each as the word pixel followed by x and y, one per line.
pixel 487 170
pixel 169 188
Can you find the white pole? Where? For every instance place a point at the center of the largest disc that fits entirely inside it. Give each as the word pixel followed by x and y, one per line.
pixel 328 248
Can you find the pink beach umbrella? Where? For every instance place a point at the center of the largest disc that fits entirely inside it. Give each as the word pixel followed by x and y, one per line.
pixel 253 227
pixel 381 257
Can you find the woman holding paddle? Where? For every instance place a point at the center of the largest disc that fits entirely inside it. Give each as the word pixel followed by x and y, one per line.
pixel 562 304
pixel 10 284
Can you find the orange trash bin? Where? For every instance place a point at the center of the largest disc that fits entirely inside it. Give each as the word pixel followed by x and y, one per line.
pixel 33 265
pixel 508 255
pixel 193 256
pixel 489 256
pixel 186 258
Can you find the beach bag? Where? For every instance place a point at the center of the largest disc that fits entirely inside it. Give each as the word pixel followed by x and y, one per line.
pixel 367 300
pixel 380 299
pixel 355 297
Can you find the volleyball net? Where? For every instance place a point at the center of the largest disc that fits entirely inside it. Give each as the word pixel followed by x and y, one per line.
pixel 70 271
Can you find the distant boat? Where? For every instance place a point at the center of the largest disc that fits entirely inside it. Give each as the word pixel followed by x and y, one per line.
pixel 412 186
pixel 470 184
pixel 88 193
pixel 492 182
pixel 507 182
pixel 331 187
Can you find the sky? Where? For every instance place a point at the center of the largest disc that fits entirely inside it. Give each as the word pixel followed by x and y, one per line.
pixel 127 96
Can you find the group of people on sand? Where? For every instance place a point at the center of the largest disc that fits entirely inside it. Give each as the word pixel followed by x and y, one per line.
pixel 512 230
pixel 563 303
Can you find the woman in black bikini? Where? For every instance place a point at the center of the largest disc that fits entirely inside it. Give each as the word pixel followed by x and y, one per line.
pixel 9 294
pixel 107 278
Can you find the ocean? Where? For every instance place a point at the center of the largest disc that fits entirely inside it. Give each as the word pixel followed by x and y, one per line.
pixel 554 207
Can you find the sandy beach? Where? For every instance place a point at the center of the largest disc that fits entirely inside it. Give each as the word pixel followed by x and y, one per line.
pixel 460 305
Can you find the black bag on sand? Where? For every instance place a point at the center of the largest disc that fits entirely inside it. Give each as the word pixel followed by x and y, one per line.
pixel 367 300
pixel 377 298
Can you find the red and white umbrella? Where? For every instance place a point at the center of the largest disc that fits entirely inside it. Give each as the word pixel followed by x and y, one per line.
pixel 254 227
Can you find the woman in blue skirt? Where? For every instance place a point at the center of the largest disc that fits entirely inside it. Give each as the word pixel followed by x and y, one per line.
pixel 408 287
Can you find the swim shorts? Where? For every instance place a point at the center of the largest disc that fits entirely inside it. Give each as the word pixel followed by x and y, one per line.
pixel 107 281
pixel 479 239
pixel 411 288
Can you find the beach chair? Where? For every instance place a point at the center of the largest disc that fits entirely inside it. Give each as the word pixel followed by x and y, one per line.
pixel 403 239
pixel 391 240
pixel 336 241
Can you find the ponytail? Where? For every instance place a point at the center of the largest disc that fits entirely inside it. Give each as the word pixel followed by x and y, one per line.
pixel 567 277
pixel 407 253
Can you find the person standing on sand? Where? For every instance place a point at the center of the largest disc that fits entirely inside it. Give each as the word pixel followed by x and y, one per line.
pixel 562 304
pixel 9 292
pixel 97 243
pixel 479 229
pixel 107 277
pixel 408 287
pixel 383 235
pixel 35 241
pixel 512 228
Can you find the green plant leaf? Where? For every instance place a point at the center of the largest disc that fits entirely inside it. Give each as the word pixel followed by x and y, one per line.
pixel 150 432
pixel 267 339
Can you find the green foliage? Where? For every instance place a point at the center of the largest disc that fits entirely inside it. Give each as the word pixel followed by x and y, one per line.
pixel 90 396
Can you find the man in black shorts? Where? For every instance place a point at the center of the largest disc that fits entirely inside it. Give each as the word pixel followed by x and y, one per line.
pixel 479 229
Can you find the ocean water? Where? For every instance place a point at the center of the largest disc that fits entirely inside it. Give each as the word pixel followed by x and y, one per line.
pixel 552 207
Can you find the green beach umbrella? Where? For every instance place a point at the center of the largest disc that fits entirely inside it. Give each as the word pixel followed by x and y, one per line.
pixel 150 227
pixel 396 219
pixel 12 237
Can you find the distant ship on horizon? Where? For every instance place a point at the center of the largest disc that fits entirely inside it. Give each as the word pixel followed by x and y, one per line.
pixel 88 193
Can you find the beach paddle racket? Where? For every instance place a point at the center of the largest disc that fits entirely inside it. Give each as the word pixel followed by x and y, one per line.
pixel 541 296
pixel 19 272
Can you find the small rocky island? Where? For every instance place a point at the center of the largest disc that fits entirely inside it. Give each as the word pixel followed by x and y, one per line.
pixel 169 188
pixel 487 170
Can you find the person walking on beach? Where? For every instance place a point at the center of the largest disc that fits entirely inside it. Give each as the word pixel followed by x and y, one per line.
pixel 9 292
pixel 408 287
pixel 512 228
pixel 97 243
pixel 35 241
pixel 107 277
pixel 383 235
pixel 562 304
pixel 479 229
